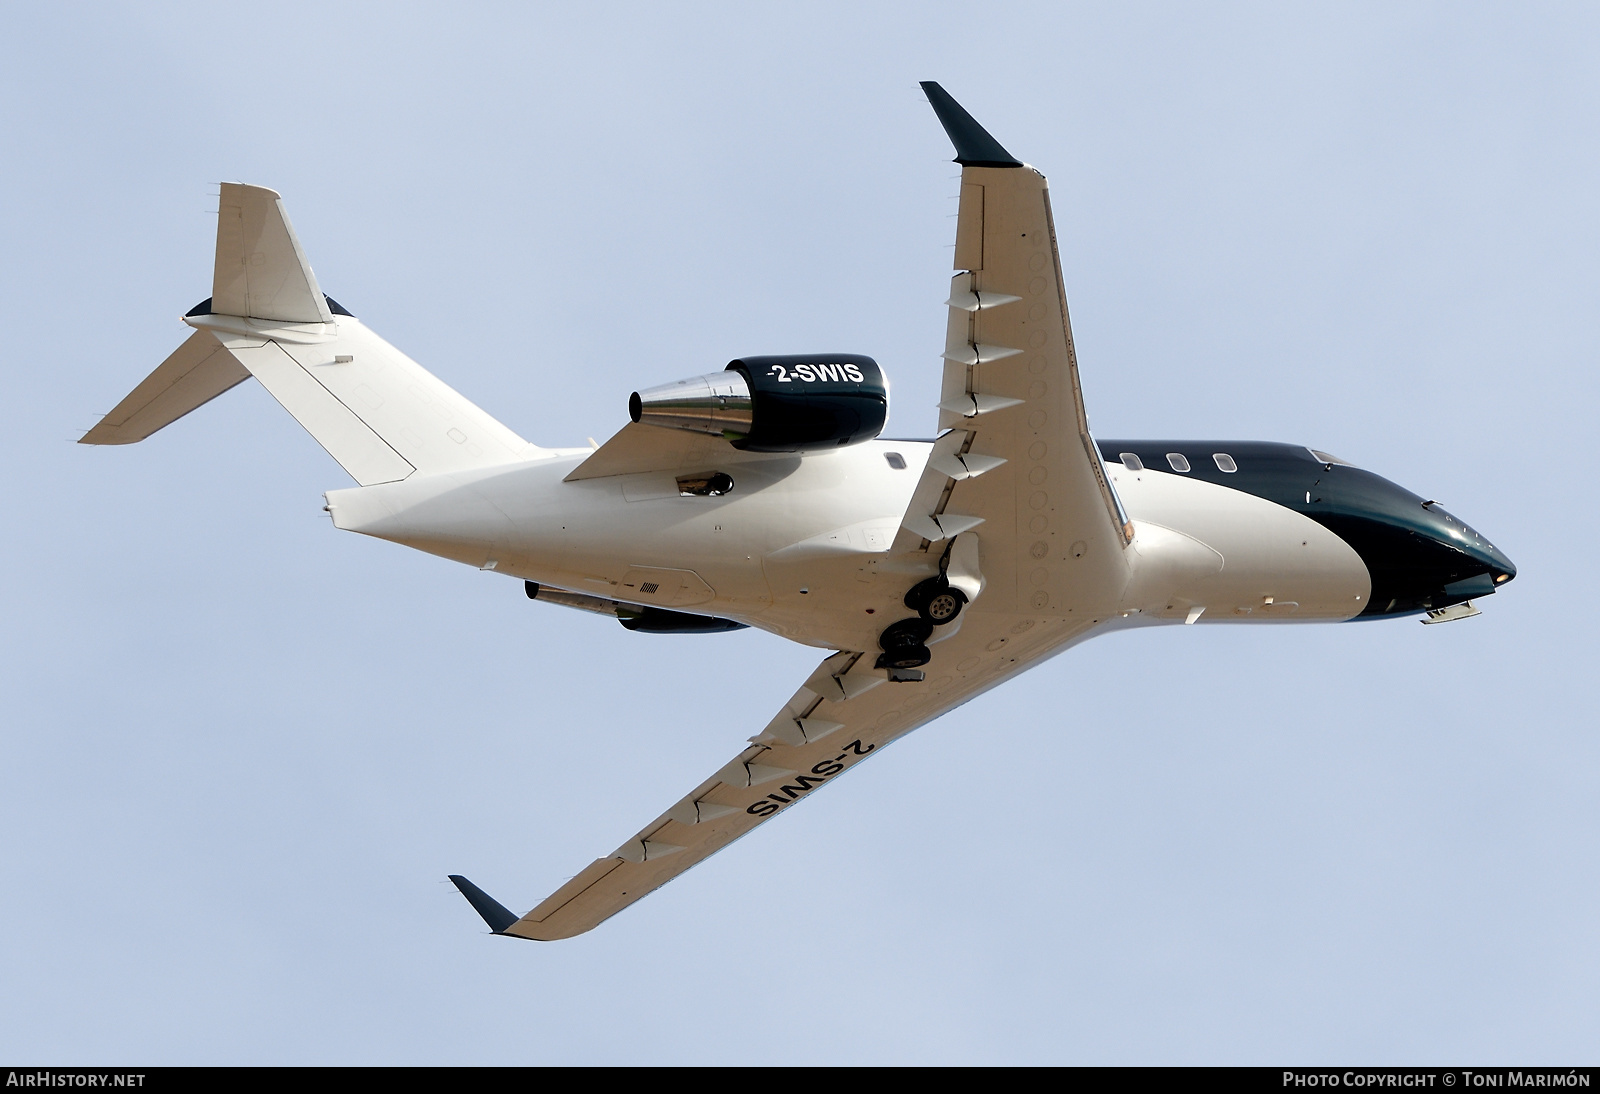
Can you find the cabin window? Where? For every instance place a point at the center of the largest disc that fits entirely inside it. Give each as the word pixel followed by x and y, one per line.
pixel 1131 461
pixel 1178 462
pixel 896 461
pixel 1224 462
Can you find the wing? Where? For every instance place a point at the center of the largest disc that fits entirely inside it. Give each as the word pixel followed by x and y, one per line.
pixel 1017 463
pixel 845 712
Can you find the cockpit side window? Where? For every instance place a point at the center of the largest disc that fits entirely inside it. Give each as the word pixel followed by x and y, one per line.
pixel 1224 462
pixel 1178 462
pixel 1131 461
pixel 1323 457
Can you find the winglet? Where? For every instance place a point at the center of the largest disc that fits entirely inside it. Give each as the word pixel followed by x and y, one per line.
pixel 497 915
pixel 974 146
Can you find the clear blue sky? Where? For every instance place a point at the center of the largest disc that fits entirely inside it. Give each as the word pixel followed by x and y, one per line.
pixel 240 751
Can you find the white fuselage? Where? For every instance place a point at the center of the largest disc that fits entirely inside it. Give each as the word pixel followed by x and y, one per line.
pixel 801 546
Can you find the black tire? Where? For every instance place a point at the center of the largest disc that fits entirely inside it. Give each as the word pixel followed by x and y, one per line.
pixel 906 657
pixel 919 593
pixel 905 644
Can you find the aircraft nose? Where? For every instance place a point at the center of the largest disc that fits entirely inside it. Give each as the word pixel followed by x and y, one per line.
pixel 1456 534
pixel 1420 556
pixel 1442 561
pixel 1501 567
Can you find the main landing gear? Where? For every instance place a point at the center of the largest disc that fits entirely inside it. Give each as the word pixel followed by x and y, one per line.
pixel 936 601
pixel 905 644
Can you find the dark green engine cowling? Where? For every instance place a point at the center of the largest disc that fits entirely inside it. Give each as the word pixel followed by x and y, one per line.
pixel 791 403
pixel 820 400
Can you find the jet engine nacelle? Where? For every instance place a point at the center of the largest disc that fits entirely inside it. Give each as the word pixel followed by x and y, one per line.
pixel 775 404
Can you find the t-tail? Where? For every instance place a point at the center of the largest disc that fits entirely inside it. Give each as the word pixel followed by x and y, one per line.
pixel 381 415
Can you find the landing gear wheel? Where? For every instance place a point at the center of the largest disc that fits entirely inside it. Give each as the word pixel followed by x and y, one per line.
pixel 944 607
pixel 905 645
pixel 907 657
pixel 935 601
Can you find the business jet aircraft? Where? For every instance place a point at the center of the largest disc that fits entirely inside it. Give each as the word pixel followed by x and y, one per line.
pixel 761 496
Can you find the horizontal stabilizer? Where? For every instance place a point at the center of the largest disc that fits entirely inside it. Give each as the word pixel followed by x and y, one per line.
pixel 261 271
pixel 197 372
pixel 333 422
pixel 497 915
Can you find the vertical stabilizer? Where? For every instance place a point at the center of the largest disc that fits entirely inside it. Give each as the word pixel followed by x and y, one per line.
pixel 261 271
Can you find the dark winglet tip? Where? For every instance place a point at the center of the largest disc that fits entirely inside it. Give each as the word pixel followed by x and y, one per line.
pixel 497 915
pixel 974 146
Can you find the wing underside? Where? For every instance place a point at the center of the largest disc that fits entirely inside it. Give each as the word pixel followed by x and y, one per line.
pixel 844 713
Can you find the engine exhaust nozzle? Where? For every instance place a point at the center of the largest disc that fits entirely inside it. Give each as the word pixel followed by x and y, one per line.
pixel 718 404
